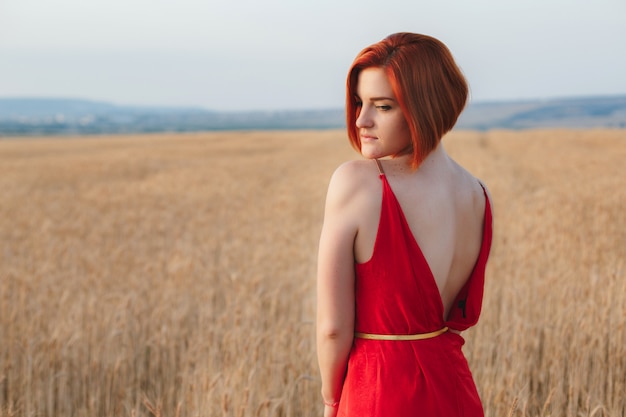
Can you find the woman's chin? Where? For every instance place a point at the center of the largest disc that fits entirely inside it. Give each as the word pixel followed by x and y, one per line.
pixel 370 154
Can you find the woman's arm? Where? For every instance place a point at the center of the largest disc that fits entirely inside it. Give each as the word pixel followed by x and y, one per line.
pixel 335 284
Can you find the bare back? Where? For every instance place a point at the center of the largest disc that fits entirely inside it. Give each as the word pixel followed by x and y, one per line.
pixel 444 207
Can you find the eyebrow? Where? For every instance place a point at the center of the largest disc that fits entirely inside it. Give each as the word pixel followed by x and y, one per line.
pixel 382 98
pixel 377 98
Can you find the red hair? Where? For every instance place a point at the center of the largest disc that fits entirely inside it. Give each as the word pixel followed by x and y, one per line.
pixel 430 88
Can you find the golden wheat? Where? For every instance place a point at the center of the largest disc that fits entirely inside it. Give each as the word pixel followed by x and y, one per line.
pixel 173 275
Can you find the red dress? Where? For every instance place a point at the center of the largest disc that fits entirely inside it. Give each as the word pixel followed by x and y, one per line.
pixel 396 294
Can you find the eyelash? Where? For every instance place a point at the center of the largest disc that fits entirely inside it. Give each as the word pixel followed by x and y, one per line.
pixel 382 107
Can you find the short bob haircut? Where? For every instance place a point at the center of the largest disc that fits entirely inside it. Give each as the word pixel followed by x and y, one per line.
pixel 430 88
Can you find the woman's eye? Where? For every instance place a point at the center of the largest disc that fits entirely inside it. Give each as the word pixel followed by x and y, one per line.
pixel 383 107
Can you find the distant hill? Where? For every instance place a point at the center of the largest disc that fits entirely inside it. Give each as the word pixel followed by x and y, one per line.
pixel 21 116
pixel 58 116
pixel 584 112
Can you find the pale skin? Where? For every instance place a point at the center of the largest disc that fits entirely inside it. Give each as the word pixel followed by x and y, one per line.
pixel 444 206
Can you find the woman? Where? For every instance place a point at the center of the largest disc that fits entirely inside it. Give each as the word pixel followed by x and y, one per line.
pixel 404 243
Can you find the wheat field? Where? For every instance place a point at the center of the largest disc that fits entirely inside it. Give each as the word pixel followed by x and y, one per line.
pixel 174 274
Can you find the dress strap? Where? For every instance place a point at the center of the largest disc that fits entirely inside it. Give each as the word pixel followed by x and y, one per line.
pixel 483 187
pixel 487 202
pixel 380 167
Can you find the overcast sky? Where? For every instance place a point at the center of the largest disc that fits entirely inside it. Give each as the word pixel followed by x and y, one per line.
pixel 291 54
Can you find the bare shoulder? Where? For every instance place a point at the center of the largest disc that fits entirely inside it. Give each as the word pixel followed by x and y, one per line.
pixel 350 179
pixel 474 189
pixel 355 170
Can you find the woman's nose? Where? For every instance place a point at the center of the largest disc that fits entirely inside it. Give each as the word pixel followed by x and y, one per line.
pixel 364 119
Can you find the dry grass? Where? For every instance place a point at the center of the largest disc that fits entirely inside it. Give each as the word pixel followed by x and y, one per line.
pixel 173 275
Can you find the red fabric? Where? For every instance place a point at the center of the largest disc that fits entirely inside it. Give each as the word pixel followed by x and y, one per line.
pixel 397 294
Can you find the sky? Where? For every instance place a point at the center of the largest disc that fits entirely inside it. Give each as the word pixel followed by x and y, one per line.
pixel 234 55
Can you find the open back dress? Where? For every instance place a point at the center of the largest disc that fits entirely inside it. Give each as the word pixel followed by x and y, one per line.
pixel 396 295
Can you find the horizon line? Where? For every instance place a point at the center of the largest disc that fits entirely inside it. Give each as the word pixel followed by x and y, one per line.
pixel 174 107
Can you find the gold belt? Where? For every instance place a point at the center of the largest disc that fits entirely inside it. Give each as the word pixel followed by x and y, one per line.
pixel 419 336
